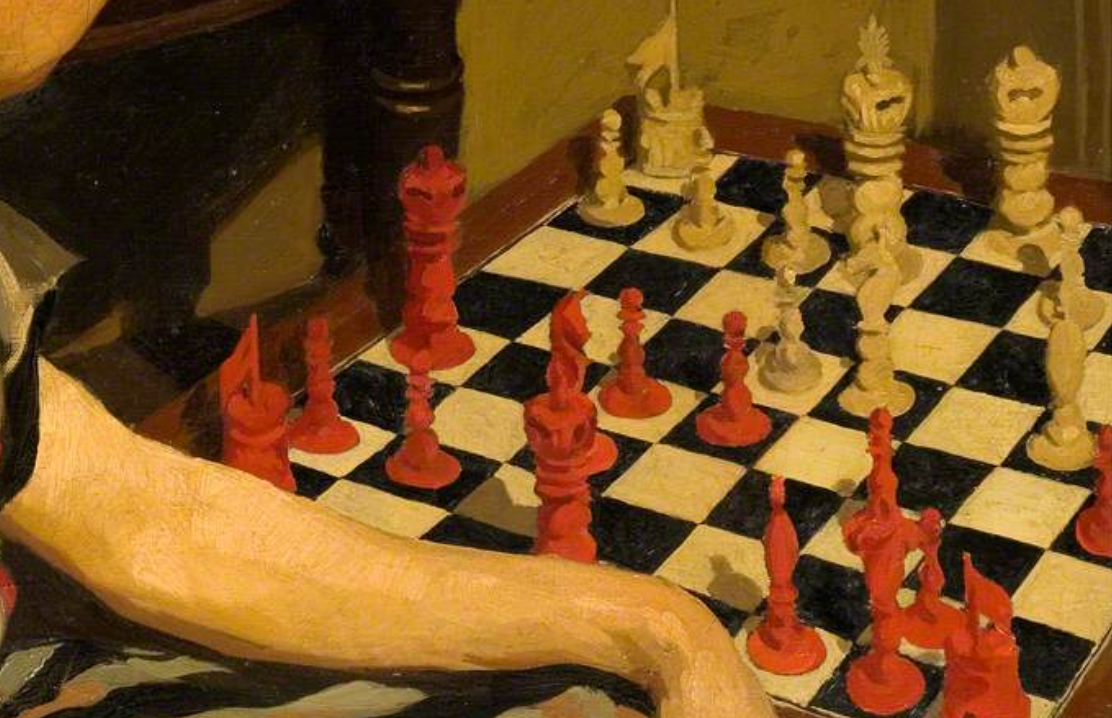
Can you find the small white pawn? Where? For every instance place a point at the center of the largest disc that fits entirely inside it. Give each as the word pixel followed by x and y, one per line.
pixel 791 366
pixel 609 203
pixel 797 246
pixel 1064 443
pixel 702 224
pixel 1082 304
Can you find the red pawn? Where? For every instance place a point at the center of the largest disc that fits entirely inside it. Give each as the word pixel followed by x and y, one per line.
pixel 781 644
pixel 982 663
pixel 1094 526
pixel 254 414
pixel 928 622
pixel 420 462
pixel 319 429
pixel 632 393
pixel 734 421
pixel 432 191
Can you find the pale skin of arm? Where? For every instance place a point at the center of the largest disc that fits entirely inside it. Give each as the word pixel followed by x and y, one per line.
pixel 220 558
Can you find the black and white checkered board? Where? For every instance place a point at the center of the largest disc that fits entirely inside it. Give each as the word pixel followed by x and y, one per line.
pixel 965 335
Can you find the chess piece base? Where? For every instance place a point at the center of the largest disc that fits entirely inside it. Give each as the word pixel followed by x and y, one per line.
pixel 801 651
pixel 1092 535
pixel 897 398
pixel 929 628
pixel 693 237
pixel 329 437
pixel 804 376
pixel 814 253
pixel 1087 308
pixel 446 349
pixel 653 400
pixel 714 426
pixel 1070 456
pixel 604 452
pixel 623 214
pixel 1033 250
pixel 421 465
pixel 884 684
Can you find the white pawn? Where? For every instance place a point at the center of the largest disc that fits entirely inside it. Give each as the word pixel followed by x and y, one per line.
pixel 791 366
pixel 1064 443
pixel 1082 304
pixel 609 203
pixel 797 246
pixel 702 224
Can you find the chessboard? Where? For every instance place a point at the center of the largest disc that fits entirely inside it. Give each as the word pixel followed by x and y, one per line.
pixel 965 335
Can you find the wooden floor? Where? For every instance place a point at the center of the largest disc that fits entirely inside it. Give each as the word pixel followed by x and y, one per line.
pixel 364 305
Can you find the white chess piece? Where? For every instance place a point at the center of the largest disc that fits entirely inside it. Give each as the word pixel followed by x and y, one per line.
pixel 1064 443
pixel 609 203
pixel 1083 304
pixel 1024 92
pixel 702 224
pixel 874 381
pixel 791 366
pixel 876 99
pixel 797 246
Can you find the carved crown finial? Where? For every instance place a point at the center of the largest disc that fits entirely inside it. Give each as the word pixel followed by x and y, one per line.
pixel 873 43
pixel 1024 88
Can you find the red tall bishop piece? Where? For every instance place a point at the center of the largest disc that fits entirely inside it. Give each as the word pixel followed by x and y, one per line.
pixel 982 663
pixel 562 428
pixel 928 622
pixel 882 681
pixel 734 421
pixel 1094 526
pixel 781 644
pixel 254 413
pixel 432 191
pixel 320 429
pixel 632 393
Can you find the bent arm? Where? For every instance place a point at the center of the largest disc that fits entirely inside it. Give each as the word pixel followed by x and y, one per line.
pixel 206 553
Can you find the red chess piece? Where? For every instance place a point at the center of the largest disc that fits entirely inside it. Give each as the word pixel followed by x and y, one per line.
pixel 1094 526
pixel 8 596
pixel 982 663
pixel 928 622
pixel 420 462
pixel 319 429
pixel 432 190
pixel 882 681
pixel 254 415
pixel 562 429
pixel 632 393
pixel 781 644
pixel 734 421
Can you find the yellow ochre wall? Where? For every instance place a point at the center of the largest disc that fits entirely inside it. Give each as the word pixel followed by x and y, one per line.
pixel 535 70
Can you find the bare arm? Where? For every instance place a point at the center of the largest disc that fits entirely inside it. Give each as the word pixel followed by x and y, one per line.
pixel 35 34
pixel 209 554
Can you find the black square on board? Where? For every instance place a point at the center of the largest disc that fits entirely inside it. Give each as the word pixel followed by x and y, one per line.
pixel 977 292
pixel 932 478
pixel 376 395
pixel 832 597
pixel 462 531
pixel 1097 252
pixel 732 619
pixel 474 470
pixel 928 393
pixel 629 451
pixel 829 319
pixel 685 353
pixel 757 184
pixel 745 509
pixel 943 221
pixel 834 697
pixel 1049 659
pixel 1000 559
pixel 516 372
pixel 310 482
pixel 685 435
pixel 658 208
pixel 634 537
pixel 506 306
pixel 1011 366
pixel 665 282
